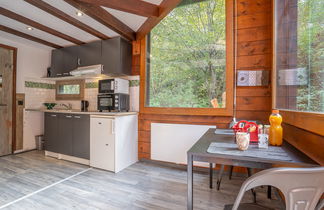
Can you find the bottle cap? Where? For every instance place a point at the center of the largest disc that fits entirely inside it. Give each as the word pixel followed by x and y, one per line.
pixel 275 111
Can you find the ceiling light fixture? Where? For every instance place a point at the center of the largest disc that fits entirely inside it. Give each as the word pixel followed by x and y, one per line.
pixel 79 13
pixel 29 28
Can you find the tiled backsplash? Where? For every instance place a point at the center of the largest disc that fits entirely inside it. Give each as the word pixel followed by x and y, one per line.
pixel 39 91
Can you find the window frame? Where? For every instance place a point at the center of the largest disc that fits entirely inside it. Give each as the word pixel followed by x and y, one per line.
pixel 75 97
pixel 228 110
pixel 309 121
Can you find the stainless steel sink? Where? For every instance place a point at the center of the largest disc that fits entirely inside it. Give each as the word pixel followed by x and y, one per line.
pixel 224 131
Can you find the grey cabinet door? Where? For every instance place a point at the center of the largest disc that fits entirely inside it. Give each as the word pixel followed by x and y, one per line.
pixel 51 134
pixel 65 134
pixel 126 54
pixel 89 54
pixel 81 136
pixel 57 64
pixel 70 59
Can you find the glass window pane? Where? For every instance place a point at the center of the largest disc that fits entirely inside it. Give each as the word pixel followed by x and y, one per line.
pixel 300 55
pixel 69 89
pixel 186 57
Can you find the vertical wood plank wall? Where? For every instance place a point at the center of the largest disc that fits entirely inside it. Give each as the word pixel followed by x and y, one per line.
pixel 254 42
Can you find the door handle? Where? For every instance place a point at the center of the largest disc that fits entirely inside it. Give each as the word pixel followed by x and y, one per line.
pixel 68 116
pixel 78 117
pixel 79 61
pixel 53 115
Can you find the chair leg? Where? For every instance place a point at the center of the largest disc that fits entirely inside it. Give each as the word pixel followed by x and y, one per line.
pixel 269 192
pixel 252 190
pixel 220 175
pixel 210 175
pixel 231 172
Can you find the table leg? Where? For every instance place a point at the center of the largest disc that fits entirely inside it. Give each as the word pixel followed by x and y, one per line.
pixel 220 176
pixel 211 175
pixel 189 182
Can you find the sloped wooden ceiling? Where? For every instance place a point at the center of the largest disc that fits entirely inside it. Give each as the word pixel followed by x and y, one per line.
pixel 55 23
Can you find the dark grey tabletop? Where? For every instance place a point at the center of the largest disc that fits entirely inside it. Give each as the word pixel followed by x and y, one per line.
pixel 286 154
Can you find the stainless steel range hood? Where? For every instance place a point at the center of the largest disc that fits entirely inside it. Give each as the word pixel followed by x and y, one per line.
pixel 93 70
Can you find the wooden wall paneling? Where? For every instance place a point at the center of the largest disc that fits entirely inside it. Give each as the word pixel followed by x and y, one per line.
pixel 255 61
pixel 251 7
pixel 254 48
pixel 309 143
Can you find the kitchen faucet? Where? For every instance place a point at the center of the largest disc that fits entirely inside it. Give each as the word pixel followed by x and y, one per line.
pixel 68 106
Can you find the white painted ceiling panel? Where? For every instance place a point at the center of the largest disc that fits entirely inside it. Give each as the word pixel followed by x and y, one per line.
pixel 70 10
pixel 14 38
pixel 131 20
pixel 36 33
pixel 23 8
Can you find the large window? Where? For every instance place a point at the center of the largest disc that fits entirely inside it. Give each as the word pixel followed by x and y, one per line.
pixel 299 51
pixel 187 57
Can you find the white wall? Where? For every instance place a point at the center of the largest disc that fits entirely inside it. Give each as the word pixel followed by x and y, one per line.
pixel 32 61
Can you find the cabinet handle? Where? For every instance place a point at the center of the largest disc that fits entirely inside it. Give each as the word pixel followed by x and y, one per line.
pixel 58 74
pixel 107 144
pixel 113 127
pixel 99 123
pixel 78 117
pixel 79 61
pixel 68 116
pixel 53 115
pixel 66 73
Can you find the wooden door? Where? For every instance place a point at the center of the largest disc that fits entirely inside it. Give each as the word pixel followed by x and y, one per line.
pixel 6 99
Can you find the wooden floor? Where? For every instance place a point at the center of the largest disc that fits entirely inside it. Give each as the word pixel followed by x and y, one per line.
pixel 33 181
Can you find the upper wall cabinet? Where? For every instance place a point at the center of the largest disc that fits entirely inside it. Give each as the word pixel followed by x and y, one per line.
pixel 115 54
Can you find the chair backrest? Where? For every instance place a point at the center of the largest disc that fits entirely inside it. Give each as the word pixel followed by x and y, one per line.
pixel 302 187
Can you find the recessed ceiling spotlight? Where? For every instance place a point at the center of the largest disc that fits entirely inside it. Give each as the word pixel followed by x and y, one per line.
pixel 29 28
pixel 79 13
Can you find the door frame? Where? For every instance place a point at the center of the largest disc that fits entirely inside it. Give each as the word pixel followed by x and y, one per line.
pixel 14 81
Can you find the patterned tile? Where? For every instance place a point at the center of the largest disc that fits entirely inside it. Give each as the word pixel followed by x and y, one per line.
pixel 134 83
pixel 41 85
pixel 91 85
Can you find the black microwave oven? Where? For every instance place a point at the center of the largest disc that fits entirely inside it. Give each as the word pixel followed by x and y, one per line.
pixel 113 102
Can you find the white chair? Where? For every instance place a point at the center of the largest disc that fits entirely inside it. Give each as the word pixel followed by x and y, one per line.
pixel 302 187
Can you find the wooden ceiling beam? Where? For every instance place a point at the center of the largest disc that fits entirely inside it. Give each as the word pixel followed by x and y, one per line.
pixel 137 7
pixel 39 26
pixel 104 17
pixel 164 9
pixel 63 16
pixel 27 36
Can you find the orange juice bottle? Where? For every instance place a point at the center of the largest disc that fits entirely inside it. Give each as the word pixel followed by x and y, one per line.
pixel 275 131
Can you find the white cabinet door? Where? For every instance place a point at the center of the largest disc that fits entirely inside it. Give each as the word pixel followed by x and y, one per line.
pixel 102 143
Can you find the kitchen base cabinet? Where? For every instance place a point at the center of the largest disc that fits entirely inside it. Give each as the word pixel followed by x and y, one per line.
pixel 113 142
pixel 68 134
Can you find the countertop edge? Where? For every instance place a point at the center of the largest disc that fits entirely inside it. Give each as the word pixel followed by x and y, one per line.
pixel 87 113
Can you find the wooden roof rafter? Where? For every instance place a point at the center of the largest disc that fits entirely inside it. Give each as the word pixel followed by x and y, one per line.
pixel 37 25
pixel 27 36
pixel 137 7
pixel 164 9
pixel 104 17
pixel 63 16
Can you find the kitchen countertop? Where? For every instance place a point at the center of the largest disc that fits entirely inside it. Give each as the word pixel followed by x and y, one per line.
pixel 79 112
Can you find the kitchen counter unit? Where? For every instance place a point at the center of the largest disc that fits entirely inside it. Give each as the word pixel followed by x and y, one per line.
pixel 80 112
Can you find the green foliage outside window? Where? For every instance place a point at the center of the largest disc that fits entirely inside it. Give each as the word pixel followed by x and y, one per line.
pixel 187 57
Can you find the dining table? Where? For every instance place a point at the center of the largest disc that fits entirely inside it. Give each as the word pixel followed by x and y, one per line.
pixel 217 147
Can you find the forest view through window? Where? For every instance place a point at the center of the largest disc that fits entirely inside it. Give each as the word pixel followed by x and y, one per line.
pixel 186 57
pixel 300 55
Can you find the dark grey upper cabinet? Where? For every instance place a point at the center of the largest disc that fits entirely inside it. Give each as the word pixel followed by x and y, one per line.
pixel 51 134
pixel 57 64
pixel 117 56
pixel 70 59
pixel 89 54
pixel 81 136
